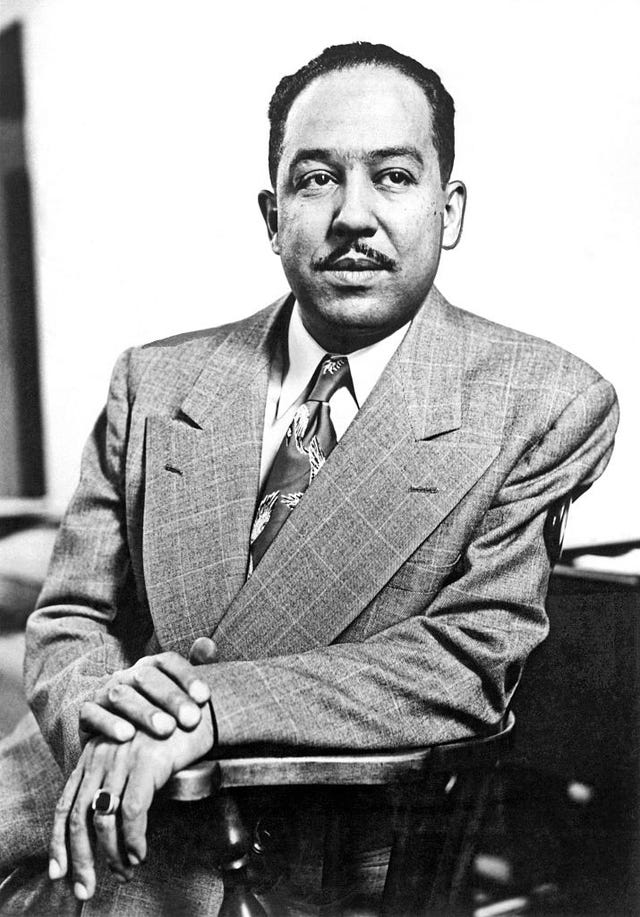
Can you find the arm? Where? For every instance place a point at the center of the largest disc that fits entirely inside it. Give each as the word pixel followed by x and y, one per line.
pixel 91 629
pixel 75 646
pixel 450 669
pixel 87 640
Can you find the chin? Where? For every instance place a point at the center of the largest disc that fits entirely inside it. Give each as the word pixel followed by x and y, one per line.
pixel 357 312
pixel 347 327
pixel 359 315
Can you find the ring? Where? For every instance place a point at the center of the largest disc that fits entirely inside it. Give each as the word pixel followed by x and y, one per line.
pixel 105 803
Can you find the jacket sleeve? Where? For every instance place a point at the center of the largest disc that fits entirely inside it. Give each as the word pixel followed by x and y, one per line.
pixel 450 669
pixel 77 639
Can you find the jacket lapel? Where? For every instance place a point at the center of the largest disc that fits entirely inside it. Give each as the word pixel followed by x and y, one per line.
pixel 202 472
pixel 401 467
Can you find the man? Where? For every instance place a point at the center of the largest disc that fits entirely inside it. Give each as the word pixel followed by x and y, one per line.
pixel 394 601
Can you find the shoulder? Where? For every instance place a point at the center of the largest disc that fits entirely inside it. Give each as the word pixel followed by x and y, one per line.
pixel 527 368
pixel 497 348
pixel 168 368
pixel 515 384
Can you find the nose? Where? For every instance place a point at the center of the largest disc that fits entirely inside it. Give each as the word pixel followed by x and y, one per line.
pixel 355 213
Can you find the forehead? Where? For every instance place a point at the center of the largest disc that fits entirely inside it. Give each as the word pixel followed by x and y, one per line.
pixel 362 108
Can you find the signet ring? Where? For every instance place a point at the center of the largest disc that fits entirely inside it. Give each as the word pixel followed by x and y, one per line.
pixel 105 803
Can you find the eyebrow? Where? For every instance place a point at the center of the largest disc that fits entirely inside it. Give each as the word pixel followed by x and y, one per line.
pixel 370 156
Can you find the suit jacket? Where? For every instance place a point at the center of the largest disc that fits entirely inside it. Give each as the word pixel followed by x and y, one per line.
pixel 399 602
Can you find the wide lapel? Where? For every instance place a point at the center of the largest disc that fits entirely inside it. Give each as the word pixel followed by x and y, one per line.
pixel 399 470
pixel 202 473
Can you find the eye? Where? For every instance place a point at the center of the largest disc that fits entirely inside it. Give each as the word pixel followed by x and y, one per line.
pixel 395 178
pixel 315 180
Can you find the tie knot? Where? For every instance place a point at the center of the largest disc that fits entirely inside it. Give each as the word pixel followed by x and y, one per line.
pixel 331 374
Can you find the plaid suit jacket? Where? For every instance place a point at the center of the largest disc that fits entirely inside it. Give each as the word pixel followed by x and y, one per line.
pixel 398 604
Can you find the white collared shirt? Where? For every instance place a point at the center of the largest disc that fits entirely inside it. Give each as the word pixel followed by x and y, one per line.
pixel 288 384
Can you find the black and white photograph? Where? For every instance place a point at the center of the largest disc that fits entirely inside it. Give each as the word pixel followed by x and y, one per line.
pixel 319 400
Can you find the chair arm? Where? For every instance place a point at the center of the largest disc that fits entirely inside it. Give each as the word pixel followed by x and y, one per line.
pixel 414 769
pixel 243 768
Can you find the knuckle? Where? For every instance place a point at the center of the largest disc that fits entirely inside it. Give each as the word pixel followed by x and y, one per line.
pixel 132 808
pixel 141 676
pixel 77 821
pixel 117 693
pixel 99 826
pixel 62 807
pixel 103 691
pixel 81 868
pixel 101 752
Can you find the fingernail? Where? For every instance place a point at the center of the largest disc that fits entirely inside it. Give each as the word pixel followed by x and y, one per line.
pixel 125 732
pixel 199 691
pixel 163 722
pixel 189 715
pixel 80 891
pixel 133 859
pixel 55 870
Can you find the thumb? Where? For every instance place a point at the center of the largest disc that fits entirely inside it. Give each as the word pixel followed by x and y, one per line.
pixel 203 651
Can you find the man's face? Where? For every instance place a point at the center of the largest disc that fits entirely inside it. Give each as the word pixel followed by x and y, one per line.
pixel 361 211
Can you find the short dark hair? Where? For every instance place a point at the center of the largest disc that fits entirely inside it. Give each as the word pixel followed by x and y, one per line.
pixel 345 57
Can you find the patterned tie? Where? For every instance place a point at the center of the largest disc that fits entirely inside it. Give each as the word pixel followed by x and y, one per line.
pixel 300 456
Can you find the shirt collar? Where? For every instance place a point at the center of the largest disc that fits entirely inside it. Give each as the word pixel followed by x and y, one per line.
pixel 366 364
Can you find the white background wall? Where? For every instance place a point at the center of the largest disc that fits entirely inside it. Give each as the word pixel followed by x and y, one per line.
pixel 148 144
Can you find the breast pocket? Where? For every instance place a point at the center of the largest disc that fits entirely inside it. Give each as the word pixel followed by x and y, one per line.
pixel 411 590
pixel 427 571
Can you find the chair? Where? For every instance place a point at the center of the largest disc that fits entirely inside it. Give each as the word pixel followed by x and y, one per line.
pixel 431 859
pixel 430 867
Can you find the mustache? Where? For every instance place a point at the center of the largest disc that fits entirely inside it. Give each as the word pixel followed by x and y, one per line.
pixel 328 263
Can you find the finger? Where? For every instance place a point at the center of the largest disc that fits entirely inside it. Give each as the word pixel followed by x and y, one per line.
pixel 137 799
pixel 130 704
pixel 58 863
pixel 162 691
pixel 96 720
pixel 106 826
pixel 96 765
pixel 203 651
pixel 184 674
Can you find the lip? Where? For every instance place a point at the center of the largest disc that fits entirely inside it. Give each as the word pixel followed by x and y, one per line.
pixel 355 264
pixel 355 278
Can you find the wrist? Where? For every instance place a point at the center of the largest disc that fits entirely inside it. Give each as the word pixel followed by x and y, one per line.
pixel 191 745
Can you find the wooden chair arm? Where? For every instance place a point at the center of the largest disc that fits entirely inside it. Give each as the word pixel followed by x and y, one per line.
pixel 244 769
pixel 423 861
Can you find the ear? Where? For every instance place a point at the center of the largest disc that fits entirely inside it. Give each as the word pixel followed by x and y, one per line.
pixel 453 214
pixel 269 211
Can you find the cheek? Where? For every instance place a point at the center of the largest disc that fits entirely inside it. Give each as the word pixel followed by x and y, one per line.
pixel 419 231
pixel 300 235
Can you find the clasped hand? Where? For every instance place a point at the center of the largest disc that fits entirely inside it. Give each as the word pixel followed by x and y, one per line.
pixel 147 722
pixel 156 694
